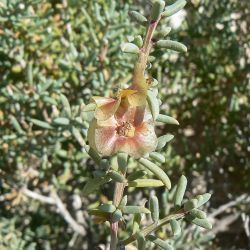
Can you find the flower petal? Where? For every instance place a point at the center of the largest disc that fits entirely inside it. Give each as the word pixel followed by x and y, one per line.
pixel 106 107
pixel 105 140
pixel 144 141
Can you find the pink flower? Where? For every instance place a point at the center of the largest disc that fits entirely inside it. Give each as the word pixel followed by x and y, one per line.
pixel 134 96
pixel 130 130
pixel 107 106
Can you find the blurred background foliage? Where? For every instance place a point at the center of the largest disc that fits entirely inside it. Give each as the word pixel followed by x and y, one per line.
pixel 48 48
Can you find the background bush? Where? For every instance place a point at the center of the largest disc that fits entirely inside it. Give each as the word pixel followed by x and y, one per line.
pixel 48 48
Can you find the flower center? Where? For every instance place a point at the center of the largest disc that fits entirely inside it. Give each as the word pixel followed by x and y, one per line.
pixel 126 129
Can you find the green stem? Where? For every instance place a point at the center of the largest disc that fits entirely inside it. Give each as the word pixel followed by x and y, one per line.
pixel 114 226
pixel 141 64
pixel 153 227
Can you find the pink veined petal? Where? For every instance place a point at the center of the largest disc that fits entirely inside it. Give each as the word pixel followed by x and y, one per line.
pixel 144 141
pixel 106 107
pixel 105 140
pixel 100 100
pixel 110 122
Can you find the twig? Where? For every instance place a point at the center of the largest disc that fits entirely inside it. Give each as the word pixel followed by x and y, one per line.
pixel 246 219
pixel 54 199
pixel 118 194
pixel 39 197
pixel 224 207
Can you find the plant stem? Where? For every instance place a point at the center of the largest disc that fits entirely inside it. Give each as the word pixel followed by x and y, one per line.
pixel 153 227
pixel 141 64
pixel 114 226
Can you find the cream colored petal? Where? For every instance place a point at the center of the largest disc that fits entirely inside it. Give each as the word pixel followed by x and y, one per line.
pixel 144 141
pixel 106 107
pixel 105 140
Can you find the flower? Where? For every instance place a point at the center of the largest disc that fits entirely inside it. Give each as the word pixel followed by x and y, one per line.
pixel 130 130
pixel 107 106
pixel 134 96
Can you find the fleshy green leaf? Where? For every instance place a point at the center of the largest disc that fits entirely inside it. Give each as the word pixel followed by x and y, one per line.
pixel 163 140
pixel 117 177
pixel 175 227
pixel 141 242
pixel 157 8
pixel 167 119
pixel 145 183
pixel 63 121
pixel 159 242
pixel 180 190
pixel 157 171
pixel 204 223
pixel 122 160
pixel 41 124
pixel 94 184
pixel 198 213
pixel 138 17
pixel 135 210
pixel 108 208
pixel 136 175
pixel 191 204
pixel 130 48
pixel 65 104
pixel 123 202
pixel 202 199
pixel 117 215
pixel 154 208
pixel 172 45
pixel 157 157
pixel 153 104
pixel 174 8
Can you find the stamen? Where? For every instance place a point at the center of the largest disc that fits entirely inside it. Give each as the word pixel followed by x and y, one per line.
pixel 126 129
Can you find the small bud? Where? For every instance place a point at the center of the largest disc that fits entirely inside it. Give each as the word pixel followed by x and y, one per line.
pixel 116 216
pixel 138 41
pixel 157 8
pixel 130 48
pixel 172 45
pixel 151 58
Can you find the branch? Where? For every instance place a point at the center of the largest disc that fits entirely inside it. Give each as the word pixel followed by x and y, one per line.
pixel 54 199
pixel 224 207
